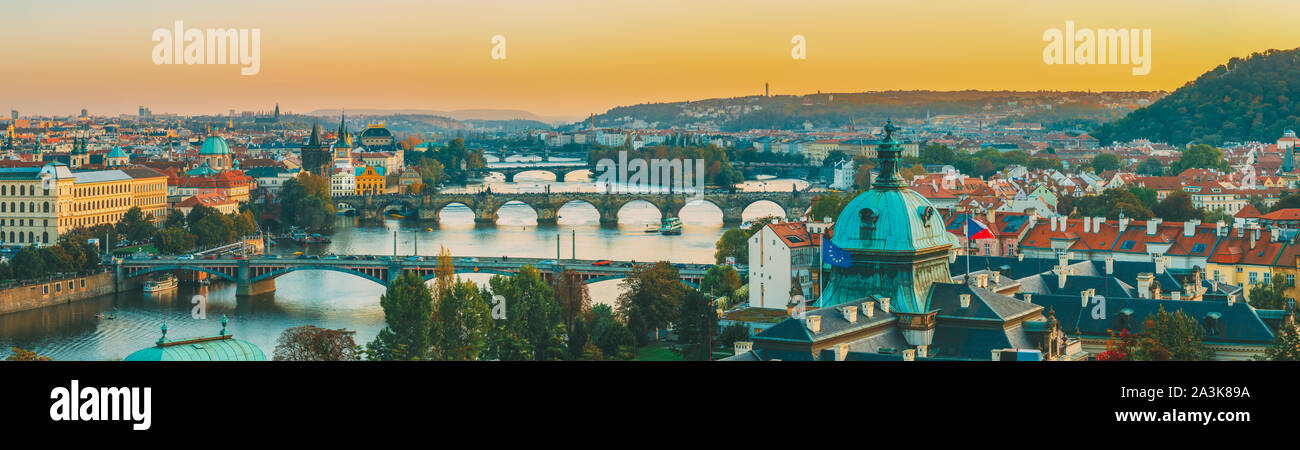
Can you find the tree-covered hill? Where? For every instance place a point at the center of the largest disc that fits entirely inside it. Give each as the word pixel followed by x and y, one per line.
pixel 1250 99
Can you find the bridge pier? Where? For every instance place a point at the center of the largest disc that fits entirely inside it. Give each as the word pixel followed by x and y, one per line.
pixel 485 214
pixel 609 216
pixel 547 216
pixel 245 288
pixel 428 215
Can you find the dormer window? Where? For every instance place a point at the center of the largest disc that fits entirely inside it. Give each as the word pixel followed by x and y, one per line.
pixel 868 219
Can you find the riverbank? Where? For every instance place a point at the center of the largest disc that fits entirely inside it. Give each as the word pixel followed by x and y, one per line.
pixel 59 290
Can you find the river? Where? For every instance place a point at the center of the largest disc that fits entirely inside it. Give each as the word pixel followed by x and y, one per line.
pixel 83 331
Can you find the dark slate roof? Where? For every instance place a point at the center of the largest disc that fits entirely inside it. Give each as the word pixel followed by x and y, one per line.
pixel 1239 323
pixel 1074 284
pixel 1010 266
pixel 832 324
pixel 984 303
pixel 977 343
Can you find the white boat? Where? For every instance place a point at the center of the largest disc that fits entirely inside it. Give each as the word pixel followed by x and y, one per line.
pixel 651 228
pixel 160 284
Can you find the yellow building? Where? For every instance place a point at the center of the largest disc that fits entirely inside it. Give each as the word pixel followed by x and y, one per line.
pixel 149 192
pixel 371 180
pixel 38 204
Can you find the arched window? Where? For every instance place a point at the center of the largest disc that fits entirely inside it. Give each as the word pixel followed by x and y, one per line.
pixel 47 207
pixel 22 207
pixel 45 237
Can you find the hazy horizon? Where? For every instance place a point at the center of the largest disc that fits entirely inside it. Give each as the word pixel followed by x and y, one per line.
pixel 570 58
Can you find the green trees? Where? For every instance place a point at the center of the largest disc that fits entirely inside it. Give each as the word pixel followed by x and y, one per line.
pixel 1150 166
pixel 733 243
pixel 573 297
pixel 533 318
pixel 463 322
pixel 1268 295
pixel 1286 347
pixel 721 281
pixel 828 205
pixel 1200 156
pixel 609 335
pixel 1165 336
pixel 408 305
pixel 174 240
pixel 1177 206
pixel 697 325
pixel 1247 99
pixel 135 226
pixel 651 298
pixel 1105 161
pixel 305 203
pixel 67 257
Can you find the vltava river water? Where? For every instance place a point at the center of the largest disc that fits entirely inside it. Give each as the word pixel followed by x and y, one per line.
pixel 82 331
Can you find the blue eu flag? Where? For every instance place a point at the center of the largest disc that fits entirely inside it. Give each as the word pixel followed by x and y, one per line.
pixel 834 255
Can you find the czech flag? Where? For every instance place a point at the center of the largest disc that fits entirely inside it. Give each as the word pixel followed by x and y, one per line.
pixel 977 230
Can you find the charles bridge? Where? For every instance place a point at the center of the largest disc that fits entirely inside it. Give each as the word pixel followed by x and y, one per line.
pixel 427 207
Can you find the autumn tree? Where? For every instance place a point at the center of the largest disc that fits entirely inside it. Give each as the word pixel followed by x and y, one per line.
pixel 26 355
pixel 1286 347
pixel 650 300
pixel 573 296
pixel 311 343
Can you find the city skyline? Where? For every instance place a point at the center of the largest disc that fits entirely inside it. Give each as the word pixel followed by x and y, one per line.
pixel 568 59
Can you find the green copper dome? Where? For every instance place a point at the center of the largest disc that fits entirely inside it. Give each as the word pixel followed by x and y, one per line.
pixel 214 145
pixel 117 152
pixel 222 347
pixel 897 240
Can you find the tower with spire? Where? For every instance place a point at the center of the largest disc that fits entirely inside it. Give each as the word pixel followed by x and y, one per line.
pixel 316 156
pixel 343 145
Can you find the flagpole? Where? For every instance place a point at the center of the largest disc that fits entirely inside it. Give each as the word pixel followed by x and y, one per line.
pixel 821 251
pixel 966 231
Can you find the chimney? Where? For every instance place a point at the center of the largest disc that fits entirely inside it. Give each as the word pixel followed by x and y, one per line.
pixel 1110 265
pixel 1123 224
pixel 997 354
pixel 841 351
pixel 850 313
pixel 1214 286
pixel 1063 259
pixel 909 355
pixel 1218 228
pixel 1061 272
pixel 1084 296
pixel 1097 222
pixel 1144 284
pixel 1189 228
pixel 1087 224
pixel 813 323
pixel 1029 297
pixel 982 281
pixel 1232 299
pixel 1153 225
pixel 1273 235
pixel 884 304
pixel 743 347
pixel 1033 220
pixel 1053 223
pixel 1175 295
pixel 1020 256
pixel 965 301
pixel 1160 264
pixel 1254 235
pixel 869 309
pixel 922 351
pixel 997 277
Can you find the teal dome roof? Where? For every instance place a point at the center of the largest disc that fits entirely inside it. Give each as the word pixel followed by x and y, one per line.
pixel 891 220
pixel 214 145
pixel 222 347
pixel 117 152
pixel 203 349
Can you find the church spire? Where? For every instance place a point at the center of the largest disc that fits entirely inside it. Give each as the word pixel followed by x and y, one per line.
pixel 315 135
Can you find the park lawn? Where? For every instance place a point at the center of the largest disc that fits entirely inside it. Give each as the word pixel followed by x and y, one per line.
pixel 657 352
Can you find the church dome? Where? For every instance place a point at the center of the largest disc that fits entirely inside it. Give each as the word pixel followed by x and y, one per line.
pixel 891 220
pixel 117 152
pixel 376 131
pixel 222 347
pixel 214 145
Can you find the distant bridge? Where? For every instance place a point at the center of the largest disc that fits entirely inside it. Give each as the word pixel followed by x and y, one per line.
pixel 510 170
pixel 428 207
pixel 256 274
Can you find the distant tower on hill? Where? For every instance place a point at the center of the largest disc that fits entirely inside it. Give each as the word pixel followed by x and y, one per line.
pixel 767 90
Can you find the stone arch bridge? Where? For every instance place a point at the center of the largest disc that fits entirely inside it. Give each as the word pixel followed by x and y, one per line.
pixel 256 275
pixel 427 207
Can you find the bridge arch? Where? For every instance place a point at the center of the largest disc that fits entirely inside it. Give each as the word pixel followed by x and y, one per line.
pixel 276 273
pixel 745 207
pixel 169 268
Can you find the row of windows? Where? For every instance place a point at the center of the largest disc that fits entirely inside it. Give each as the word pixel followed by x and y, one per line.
pixel 21 190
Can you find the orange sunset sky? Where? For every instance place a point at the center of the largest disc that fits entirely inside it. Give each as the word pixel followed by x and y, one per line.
pixel 568 58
